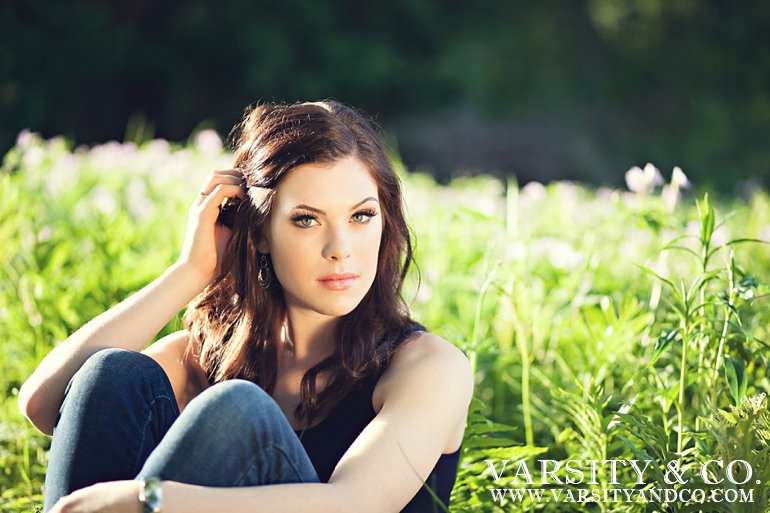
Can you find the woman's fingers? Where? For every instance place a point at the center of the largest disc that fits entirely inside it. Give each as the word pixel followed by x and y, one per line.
pixel 232 189
pixel 213 200
pixel 205 237
pixel 221 184
pixel 221 177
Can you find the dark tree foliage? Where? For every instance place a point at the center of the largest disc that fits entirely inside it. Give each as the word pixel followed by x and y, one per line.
pixel 556 88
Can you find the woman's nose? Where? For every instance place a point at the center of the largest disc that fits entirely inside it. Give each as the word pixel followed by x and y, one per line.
pixel 339 244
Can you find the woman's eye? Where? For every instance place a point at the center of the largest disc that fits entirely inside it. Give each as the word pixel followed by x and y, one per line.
pixel 304 221
pixel 362 217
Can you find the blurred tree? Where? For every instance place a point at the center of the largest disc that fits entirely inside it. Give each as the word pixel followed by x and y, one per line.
pixel 550 89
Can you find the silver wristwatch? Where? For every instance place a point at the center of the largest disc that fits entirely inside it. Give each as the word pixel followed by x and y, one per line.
pixel 150 494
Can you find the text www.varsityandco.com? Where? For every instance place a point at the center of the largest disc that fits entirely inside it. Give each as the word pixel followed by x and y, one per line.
pixel 615 495
pixel 579 472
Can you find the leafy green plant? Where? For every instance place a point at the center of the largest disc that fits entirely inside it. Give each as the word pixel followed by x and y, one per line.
pixel 742 434
pixel 576 353
pixel 485 441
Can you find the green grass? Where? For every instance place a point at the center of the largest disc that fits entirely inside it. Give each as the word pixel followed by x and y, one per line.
pixel 588 339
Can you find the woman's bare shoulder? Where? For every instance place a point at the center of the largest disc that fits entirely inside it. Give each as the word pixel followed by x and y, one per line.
pixel 426 358
pixel 424 346
pixel 182 368
pixel 171 347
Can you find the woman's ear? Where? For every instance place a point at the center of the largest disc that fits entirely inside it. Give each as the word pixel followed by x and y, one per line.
pixel 263 246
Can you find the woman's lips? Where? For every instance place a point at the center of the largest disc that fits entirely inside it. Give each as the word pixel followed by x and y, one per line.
pixel 338 281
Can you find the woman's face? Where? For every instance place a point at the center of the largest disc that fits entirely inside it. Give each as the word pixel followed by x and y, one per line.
pixel 324 236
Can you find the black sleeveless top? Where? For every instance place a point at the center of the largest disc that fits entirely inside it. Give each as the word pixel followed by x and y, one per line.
pixel 327 441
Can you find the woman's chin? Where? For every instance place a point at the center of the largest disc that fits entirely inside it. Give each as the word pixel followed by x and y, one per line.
pixel 338 309
pixel 335 307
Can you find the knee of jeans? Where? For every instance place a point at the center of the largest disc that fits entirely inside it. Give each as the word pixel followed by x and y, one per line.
pixel 114 368
pixel 239 400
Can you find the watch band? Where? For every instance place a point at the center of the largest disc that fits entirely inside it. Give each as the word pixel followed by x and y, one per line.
pixel 150 494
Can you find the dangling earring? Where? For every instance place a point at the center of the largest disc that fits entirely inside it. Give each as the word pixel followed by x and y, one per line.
pixel 264 276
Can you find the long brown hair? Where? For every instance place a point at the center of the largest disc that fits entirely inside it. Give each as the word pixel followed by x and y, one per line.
pixel 235 324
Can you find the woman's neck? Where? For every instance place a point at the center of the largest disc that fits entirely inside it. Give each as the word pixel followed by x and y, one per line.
pixel 308 337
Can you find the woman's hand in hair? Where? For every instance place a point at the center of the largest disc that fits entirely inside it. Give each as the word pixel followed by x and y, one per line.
pixel 205 239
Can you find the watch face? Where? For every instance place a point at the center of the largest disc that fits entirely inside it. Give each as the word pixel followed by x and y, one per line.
pixel 152 496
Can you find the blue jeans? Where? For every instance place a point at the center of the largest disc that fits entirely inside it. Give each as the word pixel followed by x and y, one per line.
pixel 120 420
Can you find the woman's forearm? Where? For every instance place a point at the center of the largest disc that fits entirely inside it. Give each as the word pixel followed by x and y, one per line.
pixel 132 324
pixel 288 498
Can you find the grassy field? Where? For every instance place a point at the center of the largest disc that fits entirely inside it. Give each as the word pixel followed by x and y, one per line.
pixel 602 324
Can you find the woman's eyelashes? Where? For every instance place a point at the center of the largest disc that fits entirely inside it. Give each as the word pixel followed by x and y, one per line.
pixel 304 220
pixel 364 215
pixel 309 219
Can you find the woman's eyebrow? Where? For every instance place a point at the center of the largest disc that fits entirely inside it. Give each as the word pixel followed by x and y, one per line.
pixel 302 206
pixel 370 198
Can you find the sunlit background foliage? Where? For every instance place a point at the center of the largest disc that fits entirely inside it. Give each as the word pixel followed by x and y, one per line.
pixel 601 322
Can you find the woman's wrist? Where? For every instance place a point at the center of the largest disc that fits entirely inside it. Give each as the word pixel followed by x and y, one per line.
pixel 192 278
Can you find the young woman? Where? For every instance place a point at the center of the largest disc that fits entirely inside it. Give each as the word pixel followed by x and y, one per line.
pixel 299 382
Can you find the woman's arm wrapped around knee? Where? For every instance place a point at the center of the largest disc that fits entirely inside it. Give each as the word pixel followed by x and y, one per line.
pixel 133 323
